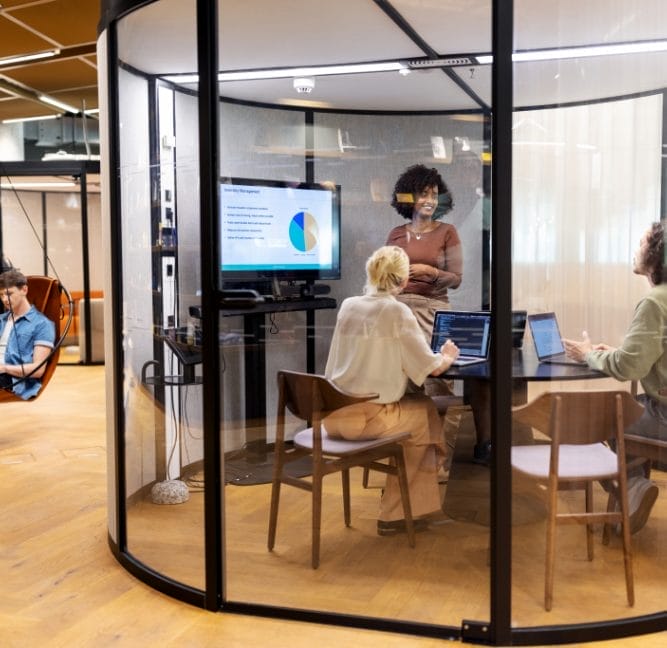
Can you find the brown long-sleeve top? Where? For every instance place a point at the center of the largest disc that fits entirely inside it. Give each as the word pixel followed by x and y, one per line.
pixel 439 248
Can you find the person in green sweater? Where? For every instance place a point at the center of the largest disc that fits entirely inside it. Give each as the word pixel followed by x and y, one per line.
pixel 640 357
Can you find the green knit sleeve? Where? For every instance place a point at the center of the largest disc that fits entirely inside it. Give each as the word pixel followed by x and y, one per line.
pixel 641 348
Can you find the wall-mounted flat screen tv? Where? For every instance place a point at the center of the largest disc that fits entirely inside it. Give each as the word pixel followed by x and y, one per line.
pixel 272 229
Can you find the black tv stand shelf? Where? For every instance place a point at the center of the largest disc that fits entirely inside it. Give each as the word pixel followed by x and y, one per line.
pixel 282 304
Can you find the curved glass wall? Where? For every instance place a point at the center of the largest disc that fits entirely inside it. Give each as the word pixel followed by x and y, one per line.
pixel 588 174
pixel 159 221
pixel 196 354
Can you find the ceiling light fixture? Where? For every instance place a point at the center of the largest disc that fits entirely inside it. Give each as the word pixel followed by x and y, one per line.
pixel 641 47
pixel 58 104
pixel 35 185
pixel 323 70
pixel 13 88
pixel 285 73
pixel 16 120
pixel 22 58
pixel 453 61
pixel 404 67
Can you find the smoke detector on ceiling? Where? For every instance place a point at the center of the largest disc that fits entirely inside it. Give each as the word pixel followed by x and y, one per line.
pixel 304 85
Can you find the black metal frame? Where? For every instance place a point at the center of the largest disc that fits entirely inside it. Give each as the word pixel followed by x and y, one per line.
pixel 498 631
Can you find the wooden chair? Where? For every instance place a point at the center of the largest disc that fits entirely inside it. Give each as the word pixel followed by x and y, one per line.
pixel 311 398
pixel 655 450
pixel 644 450
pixel 45 294
pixel 579 424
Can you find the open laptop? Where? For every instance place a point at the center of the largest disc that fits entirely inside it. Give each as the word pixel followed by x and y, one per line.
pixel 518 327
pixel 546 337
pixel 469 330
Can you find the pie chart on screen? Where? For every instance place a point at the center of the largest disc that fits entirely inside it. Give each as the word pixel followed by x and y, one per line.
pixel 303 231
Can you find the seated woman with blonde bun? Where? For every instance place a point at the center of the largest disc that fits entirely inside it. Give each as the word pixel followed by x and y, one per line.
pixel 377 346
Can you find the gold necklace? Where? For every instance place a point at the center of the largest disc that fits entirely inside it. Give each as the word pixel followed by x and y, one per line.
pixel 418 235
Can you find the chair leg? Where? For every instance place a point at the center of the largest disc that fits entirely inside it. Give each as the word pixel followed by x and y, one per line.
pixel 364 480
pixel 405 495
pixel 273 515
pixel 317 518
pixel 627 548
pixel 345 475
pixel 589 527
pixel 606 529
pixel 278 463
pixel 550 551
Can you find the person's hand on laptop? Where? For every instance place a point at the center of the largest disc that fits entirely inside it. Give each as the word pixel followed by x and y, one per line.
pixel 449 352
pixel 578 350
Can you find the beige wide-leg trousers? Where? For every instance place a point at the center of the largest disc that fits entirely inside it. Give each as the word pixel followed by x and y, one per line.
pixel 416 414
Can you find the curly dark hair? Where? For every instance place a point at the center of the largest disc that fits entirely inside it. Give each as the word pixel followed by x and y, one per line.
pixel 413 181
pixel 655 253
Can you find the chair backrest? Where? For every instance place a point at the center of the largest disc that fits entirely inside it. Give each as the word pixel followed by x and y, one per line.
pixel 582 417
pixel 44 294
pixel 311 396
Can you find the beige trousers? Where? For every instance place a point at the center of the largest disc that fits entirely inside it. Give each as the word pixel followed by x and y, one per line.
pixel 415 414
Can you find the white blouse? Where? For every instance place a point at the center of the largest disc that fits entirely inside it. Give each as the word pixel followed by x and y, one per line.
pixel 377 345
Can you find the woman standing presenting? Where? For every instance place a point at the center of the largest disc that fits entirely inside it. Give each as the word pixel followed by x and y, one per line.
pixel 434 249
pixel 377 346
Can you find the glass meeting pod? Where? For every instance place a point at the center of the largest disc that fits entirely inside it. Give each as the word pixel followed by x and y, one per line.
pixel 208 99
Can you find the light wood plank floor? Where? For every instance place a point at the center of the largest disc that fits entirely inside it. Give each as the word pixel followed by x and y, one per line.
pixel 61 585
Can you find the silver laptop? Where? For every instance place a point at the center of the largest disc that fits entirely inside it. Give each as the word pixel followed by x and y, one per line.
pixel 469 330
pixel 547 340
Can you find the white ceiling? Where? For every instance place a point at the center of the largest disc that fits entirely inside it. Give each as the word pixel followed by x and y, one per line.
pixel 160 39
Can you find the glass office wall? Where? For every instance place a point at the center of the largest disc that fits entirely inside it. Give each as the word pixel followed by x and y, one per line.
pixel 209 312
pixel 587 183
pixel 360 573
pixel 266 136
pixel 379 150
pixel 161 371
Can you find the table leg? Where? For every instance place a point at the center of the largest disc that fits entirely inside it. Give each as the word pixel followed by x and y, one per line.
pixel 478 395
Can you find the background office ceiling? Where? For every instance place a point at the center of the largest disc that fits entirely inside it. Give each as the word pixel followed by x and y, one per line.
pixel 29 26
pixel 254 34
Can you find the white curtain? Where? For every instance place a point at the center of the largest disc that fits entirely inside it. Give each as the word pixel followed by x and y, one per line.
pixel 586 185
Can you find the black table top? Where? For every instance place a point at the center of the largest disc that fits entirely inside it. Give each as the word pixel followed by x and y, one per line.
pixel 525 366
